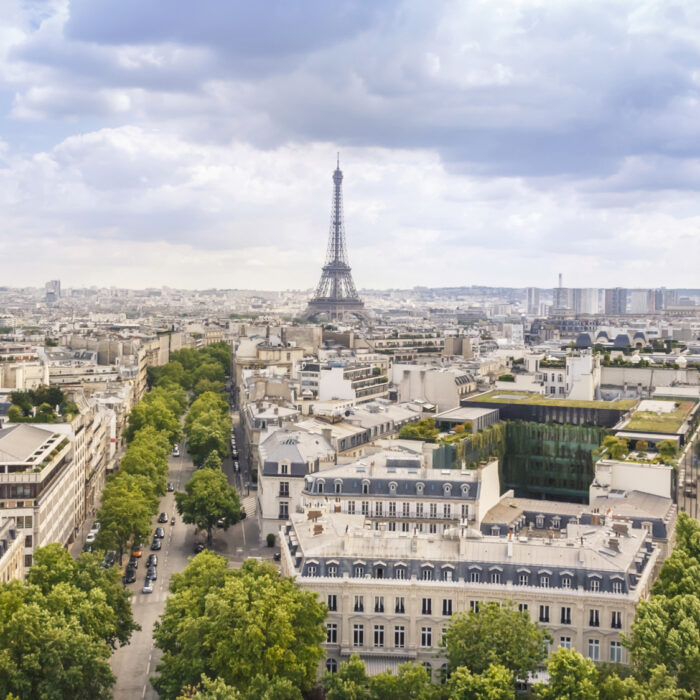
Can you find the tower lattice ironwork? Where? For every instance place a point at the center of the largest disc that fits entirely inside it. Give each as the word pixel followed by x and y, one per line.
pixel 335 295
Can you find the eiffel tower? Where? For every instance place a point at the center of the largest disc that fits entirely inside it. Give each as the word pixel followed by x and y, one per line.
pixel 335 296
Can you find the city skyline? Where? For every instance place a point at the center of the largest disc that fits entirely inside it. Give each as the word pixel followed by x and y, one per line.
pixel 480 147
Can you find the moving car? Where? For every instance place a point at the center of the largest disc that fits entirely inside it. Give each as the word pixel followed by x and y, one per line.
pixel 147 586
pixel 171 486
pixel 95 527
pixel 277 556
pixel 133 562
pixel 91 536
pixel 156 545
pixel 235 465
pixel 152 560
pixel 176 451
pixel 152 573
pixel 199 547
pixel 129 575
pixel 160 532
pixel 136 551
pixel 163 518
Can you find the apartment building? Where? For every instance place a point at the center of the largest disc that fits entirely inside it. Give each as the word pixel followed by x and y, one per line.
pixel 356 381
pixel 39 485
pixel 391 594
pixel 11 551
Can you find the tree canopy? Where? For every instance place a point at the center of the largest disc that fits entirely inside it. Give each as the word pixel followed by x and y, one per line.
pixel 248 627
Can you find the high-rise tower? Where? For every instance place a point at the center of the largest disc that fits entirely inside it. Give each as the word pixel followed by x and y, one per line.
pixel 335 296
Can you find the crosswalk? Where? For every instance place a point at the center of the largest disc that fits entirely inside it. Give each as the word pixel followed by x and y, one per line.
pixel 249 504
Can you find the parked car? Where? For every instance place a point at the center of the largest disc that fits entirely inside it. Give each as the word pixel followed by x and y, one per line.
pixel 235 465
pixel 129 575
pixel 160 532
pixel 199 547
pixel 95 527
pixel 147 586
pixel 110 558
pixel 156 545
pixel 163 518
pixel 133 562
pixel 152 573
pixel 171 486
pixel 176 451
pixel 136 550
pixel 276 556
pixel 152 560
pixel 91 536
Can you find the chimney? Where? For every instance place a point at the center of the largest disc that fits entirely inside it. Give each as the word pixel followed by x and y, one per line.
pixel 510 543
pixel 327 434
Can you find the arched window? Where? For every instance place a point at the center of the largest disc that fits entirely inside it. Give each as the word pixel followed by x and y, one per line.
pixel 447 489
pixel 321 483
pixel 539 521
pixel 331 665
pixel 365 487
pixel 465 489
pixel 393 486
pixel 338 485
pixel 419 487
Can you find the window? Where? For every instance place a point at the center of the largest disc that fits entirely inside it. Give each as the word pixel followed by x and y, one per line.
pixel 474 577
pixel 404 527
pixel 447 489
pixel 27 540
pixel 311 570
pixel 617 586
pixel 474 606
pixel 332 633
pixel 379 604
pixel 359 571
pixel 447 574
pixel 594 649
pixel 566 616
pixel 432 528
pixel 338 486
pixel 332 602
pixel 406 510
pixel 433 510
pixel 427 574
pixel 351 507
pixel 378 508
pixel 565 642
pixel 284 510
pixel 419 510
pixel 331 665
pixel 332 570
pixel 616 621
pixel 539 521
pixel 379 636
pixel 447 607
pixel 495 577
pixel 284 489
pixel 400 572
pixel 616 652
pixel 465 511
pixel 284 469
pixel 358 635
pixel 399 607
pixel 365 487
pixel 595 585
pixel 544 581
pixel 465 489
pixel 556 522
pixel 321 483
pixel 447 510
pixel 365 507
pixel 495 530
pixel 359 604
pixel 544 613
pixel 566 582
pixel 400 637
pixel 426 636
pixel 427 606
pixel 419 488
pixel 392 510
pixel 522 607
pixel 523 579
pixel 594 618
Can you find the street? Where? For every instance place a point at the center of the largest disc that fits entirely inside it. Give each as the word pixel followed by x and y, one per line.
pixel 135 664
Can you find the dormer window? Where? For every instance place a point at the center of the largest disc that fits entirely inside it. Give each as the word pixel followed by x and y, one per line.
pixel 465 490
pixel 319 485
pixel 566 582
pixel 365 487
pixel 392 487
pixel 419 488
pixel 447 489
pixel 338 485
pixel 539 521
pixel 556 522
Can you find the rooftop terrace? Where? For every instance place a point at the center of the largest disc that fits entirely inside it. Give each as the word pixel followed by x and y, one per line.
pixel 534 399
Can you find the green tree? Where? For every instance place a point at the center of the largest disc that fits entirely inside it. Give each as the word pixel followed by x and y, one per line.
pixel 207 385
pixel 349 683
pixel 666 631
pixel 207 434
pixel 571 677
pixel 688 535
pixel 156 414
pixel 170 373
pixel 496 634
pixel 14 414
pixel 53 565
pixel 679 575
pixel 213 461
pixel 173 396
pixel 660 686
pixel 125 515
pixel 208 499
pixel 424 429
pixel 248 627
pixel 666 448
pixel 495 683
pixel 617 447
pixel 412 682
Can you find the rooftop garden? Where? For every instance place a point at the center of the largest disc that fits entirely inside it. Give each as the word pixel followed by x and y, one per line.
pixel 653 422
pixel 533 399
pixel 39 406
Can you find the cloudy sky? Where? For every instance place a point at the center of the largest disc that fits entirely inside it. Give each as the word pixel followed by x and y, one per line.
pixel 152 142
